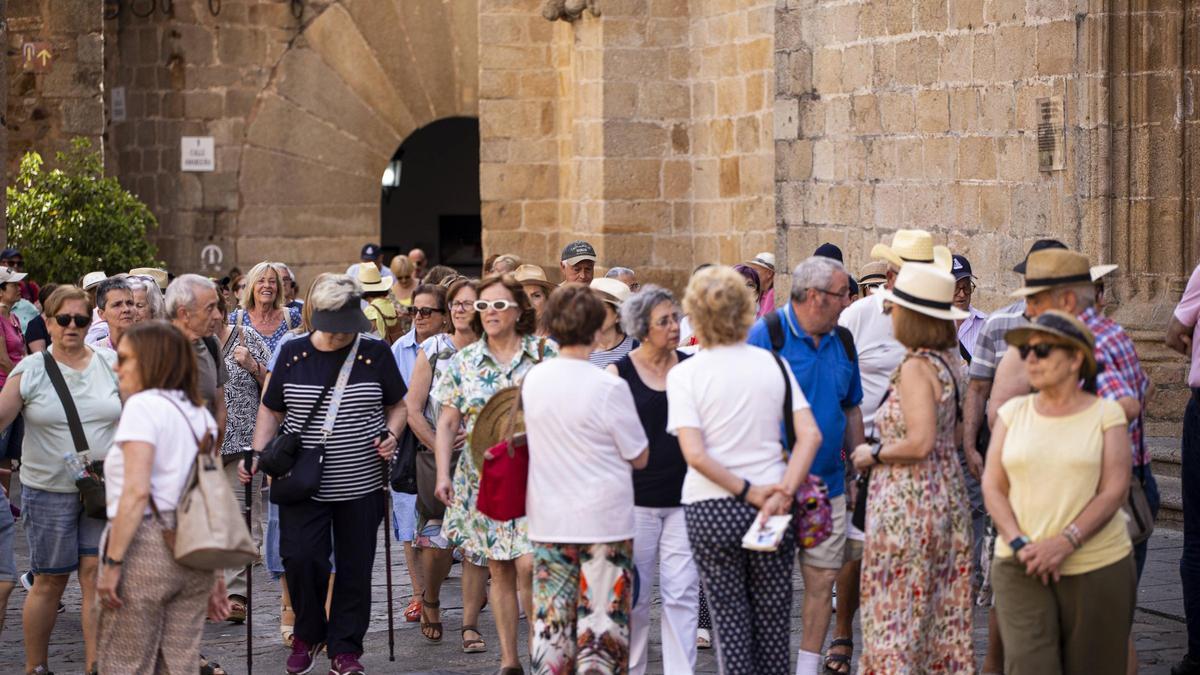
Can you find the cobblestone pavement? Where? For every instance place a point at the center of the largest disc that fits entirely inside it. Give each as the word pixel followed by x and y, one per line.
pixel 1161 639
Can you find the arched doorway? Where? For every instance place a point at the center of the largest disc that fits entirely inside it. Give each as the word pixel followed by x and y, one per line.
pixel 362 78
pixel 430 195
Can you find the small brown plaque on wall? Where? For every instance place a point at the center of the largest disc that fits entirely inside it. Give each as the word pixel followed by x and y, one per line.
pixel 1050 135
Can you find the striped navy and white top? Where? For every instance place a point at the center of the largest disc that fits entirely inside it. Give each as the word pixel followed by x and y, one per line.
pixel 603 359
pixel 352 468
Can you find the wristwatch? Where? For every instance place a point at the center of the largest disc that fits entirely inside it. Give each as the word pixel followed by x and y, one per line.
pixel 109 562
pixel 1018 543
pixel 745 491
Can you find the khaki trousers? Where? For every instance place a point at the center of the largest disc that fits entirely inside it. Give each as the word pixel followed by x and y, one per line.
pixel 158 629
pixel 235 578
pixel 1076 626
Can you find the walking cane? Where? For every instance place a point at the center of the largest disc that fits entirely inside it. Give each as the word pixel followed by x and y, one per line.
pixel 249 462
pixel 387 550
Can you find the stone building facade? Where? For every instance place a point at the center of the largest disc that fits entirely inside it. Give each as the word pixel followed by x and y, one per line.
pixel 667 132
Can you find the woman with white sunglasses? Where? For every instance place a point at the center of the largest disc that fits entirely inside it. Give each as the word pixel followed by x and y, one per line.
pixel 506 351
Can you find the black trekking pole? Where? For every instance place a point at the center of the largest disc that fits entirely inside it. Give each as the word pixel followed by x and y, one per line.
pixel 387 550
pixel 249 463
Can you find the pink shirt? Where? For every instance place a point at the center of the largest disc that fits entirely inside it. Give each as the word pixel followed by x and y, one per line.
pixel 14 343
pixel 1187 312
pixel 767 302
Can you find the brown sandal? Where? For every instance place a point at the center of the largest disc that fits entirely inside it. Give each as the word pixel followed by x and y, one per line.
pixel 474 646
pixel 431 630
pixel 237 609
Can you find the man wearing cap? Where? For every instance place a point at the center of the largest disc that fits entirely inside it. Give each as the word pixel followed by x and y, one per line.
pixel 12 259
pixel 1183 337
pixel 578 263
pixel 822 360
pixel 872 277
pixel 114 300
pixel 625 275
pixel 371 255
pixel 964 289
pixel 99 329
pixel 764 264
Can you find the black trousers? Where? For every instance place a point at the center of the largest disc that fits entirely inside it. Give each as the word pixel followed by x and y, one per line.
pixel 308 531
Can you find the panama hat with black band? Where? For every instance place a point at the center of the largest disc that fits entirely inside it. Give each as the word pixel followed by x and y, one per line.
pixel 925 289
pixel 914 246
pixel 533 275
pixel 873 273
pixel 1053 268
pixel 1062 329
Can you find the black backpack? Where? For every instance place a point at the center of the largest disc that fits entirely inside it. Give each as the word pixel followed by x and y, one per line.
pixel 775 331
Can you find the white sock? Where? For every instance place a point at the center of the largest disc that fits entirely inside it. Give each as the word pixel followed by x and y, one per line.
pixel 807 663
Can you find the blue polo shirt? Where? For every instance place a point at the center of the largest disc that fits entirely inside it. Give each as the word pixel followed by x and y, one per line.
pixel 829 380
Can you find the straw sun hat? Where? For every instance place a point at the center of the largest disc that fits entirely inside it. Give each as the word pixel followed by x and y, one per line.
pixel 913 246
pixel 1051 268
pixel 532 275
pixel 493 422
pixel 925 289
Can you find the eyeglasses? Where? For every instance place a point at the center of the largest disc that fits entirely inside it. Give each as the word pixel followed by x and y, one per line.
pixel 424 312
pixel 667 320
pixel 16 263
pixel 498 305
pixel 64 320
pixel 635 287
pixel 462 306
pixel 871 287
pixel 968 288
pixel 844 294
pixel 1040 350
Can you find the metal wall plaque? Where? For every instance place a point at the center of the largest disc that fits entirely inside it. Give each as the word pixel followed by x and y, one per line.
pixel 1050 134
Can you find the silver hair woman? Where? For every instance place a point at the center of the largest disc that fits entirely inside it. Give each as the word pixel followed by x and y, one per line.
pixel 343 511
pixel 147 299
pixel 652 317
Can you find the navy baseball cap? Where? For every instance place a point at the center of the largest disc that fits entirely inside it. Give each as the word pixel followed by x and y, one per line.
pixel 9 253
pixel 960 267
pixel 370 252
pixel 828 250
pixel 1039 245
pixel 578 251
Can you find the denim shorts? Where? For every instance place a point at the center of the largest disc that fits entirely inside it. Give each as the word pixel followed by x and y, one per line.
pixel 404 516
pixel 58 531
pixel 8 529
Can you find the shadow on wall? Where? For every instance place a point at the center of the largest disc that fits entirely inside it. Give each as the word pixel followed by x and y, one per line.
pixel 435 205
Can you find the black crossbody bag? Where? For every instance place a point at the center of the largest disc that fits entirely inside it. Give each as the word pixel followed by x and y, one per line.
pixel 278 458
pixel 91 487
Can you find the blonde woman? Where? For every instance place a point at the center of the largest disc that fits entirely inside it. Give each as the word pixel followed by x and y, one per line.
pixel 406 279
pixel 263 305
pixel 726 405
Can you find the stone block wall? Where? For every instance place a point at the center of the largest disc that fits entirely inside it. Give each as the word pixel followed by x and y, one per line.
pixel 45 110
pixel 903 113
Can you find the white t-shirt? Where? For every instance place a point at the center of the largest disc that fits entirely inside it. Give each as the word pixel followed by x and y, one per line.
pixel 878 352
pixel 734 395
pixel 151 418
pixel 583 430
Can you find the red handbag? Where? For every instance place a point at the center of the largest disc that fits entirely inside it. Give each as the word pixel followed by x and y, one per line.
pixel 504 467
pixel 504 479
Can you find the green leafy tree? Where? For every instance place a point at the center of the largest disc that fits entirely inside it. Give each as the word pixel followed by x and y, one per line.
pixel 73 220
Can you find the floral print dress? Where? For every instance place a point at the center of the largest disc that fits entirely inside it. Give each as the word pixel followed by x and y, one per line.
pixel 916 573
pixel 471 378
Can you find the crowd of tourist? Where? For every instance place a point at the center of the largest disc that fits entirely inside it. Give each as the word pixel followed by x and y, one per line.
pixel 577 446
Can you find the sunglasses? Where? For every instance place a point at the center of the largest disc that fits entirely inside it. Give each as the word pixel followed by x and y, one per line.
pixel 424 312
pixel 498 305
pixel 80 320
pixel 1040 350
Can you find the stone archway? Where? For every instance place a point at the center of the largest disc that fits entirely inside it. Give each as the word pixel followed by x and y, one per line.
pixel 359 78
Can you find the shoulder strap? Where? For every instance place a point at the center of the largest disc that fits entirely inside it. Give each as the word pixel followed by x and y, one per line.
pixel 188 423
pixel 962 351
pixel 847 339
pixel 68 403
pixel 241 330
pixel 789 422
pixel 214 350
pixel 775 330
pixel 541 350
pixel 958 412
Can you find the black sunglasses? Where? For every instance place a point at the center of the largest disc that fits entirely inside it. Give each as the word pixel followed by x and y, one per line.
pixel 64 320
pixel 425 312
pixel 1041 350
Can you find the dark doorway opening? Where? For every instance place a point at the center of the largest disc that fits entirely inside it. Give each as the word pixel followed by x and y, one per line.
pixel 430 196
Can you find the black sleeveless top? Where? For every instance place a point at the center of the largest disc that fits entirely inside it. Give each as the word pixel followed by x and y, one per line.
pixel 660 484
